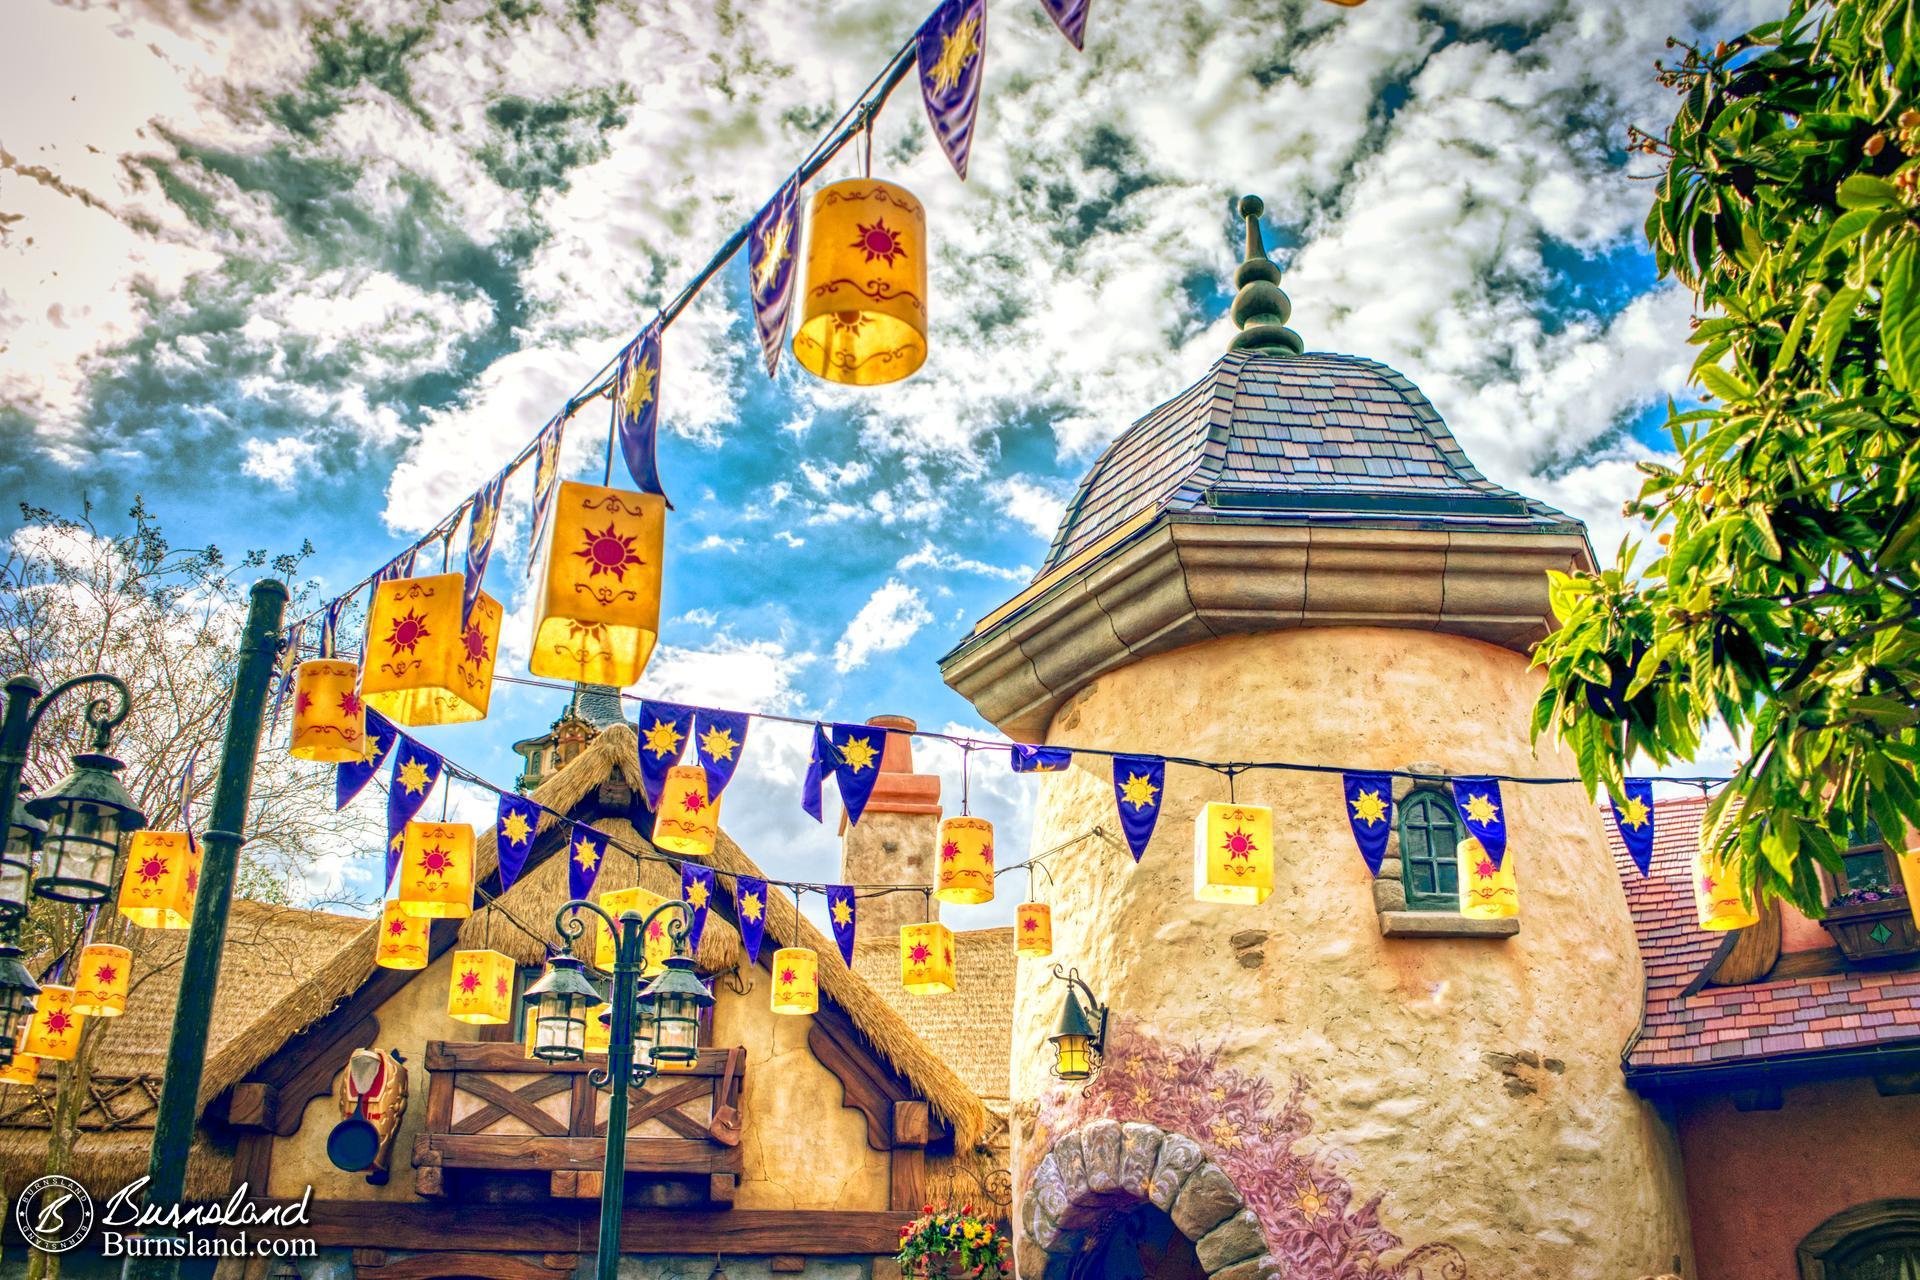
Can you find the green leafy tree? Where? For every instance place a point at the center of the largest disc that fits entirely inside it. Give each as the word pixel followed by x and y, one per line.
pixel 1784 601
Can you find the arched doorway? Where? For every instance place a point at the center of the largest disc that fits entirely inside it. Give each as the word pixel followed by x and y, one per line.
pixel 1879 1240
pixel 1111 1202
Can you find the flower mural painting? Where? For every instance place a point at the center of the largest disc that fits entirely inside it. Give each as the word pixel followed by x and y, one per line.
pixel 1315 1224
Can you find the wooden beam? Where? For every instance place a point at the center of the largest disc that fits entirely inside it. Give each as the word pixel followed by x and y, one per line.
pixel 252 1164
pixel 534 1151
pixel 868 1082
pixel 573 1227
pixel 458 1262
pixel 317 1055
pixel 720 1188
pixel 251 1105
pixel 911 1127
pixel 511 1058
pixel 786 1264
pixel 906 1179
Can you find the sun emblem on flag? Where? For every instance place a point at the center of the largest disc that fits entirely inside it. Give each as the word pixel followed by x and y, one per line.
pixel 639 384
pixel 662 738
pixel 1138 791
pixel 693 801
pixel 469 982
pixel 921 953
pixel 349 704
pixel 858 754
pixel 842 912
pixel 413 777
pixel 152 868
pixel 475 643
pixel 750 905
pixel 407 632
pixel 1239 845
pixel 775 245
pixel 1369 807
pixel 585 854
pixel 435 861
pixel 1634 813
pixel 949 851
pixel 1480 810
pixel 880 241
pixel 697 894
pixel 718 744
pixel 610 551
pixel 960 47
pixel 516 828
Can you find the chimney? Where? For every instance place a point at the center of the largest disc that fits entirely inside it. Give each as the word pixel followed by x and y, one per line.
pixel 894 841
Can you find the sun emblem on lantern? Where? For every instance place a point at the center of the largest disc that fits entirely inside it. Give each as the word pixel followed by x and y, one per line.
pixel 1239 845
pixel 469 982
pixel 880 241
pixel 1708 884
pixel 59 1022
pixel 786 977
pixel 1484 869
pixel 349 704
pixel 193 879
pixel 435 861
pixel 500 987
pixel 302 701
pixel 407 632
pixel 610 551
pixel 949 851
pixel 152 868
pixel 1031 924
pixel 475 643
pixel 848 324
pixel 693 802
pixel 105 974
pixel 396 927
pixel 921 953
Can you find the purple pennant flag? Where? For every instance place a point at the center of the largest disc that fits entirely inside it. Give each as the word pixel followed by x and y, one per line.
pixel 636 408
pixel 664 727
pixel 401 566
pixel 773 242
pixel 815 781
pixel 841 912
pixel 586 850
pixel 719 739
pixel 415 770
pixel 546 479
pixel 513 830
pixel 750 908
pixel 330 628
pixel 349 779
pixel 1369 799
pixel 1634 818
pixel 696 888
pixel 1139 784
pixel 288 657
pixel 1028 759
pixel 1071 17
pixel 951 49
pixel 1481 808
pixel 856 765
pixel 484 515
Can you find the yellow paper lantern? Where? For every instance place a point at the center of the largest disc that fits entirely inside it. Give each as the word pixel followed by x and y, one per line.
pixel 163 870
pixel 21 1068
pixel 54 1029
pixel 659 943
pixel 423 667
pixel 796 980
pixel 964 872
pixel 101 979
pixel 436 870
pixel 1910 876
pixel 1487 892
pixel 1033 929
pixel 1232 852
pixel 329 724
pixel 481 989
pixel 599 1033
pixel 1716 892
pixel 863 307
pixel 598 593
pixel 926 958
pixel 403 939
pixel 687 820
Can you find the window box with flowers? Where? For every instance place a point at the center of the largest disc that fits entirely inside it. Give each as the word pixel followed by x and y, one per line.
pixel 1868 912
pixel 953 1243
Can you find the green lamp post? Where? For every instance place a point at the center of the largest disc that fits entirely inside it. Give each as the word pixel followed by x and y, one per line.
pixel 650 1029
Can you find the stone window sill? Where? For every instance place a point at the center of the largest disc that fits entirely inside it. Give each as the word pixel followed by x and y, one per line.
pixel 1444 924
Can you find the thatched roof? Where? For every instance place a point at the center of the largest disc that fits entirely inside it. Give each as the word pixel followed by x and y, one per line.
pixel 271 952
pixel 971 1028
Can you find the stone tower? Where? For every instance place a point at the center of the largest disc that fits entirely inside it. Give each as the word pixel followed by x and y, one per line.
pixel 1293 560
pixel 894 842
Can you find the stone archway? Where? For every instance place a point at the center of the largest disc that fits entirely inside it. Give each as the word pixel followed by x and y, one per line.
pixel 1106 1165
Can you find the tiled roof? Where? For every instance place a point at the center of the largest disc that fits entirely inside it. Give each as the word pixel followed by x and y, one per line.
pixel 972 1027
pixel 598 704
pixel 1762 1020
pixel 1270 436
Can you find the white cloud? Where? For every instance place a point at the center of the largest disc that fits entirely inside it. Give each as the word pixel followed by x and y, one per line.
pixel 278 462
pixel 887 621
pixel 931 557
pixel 1033 504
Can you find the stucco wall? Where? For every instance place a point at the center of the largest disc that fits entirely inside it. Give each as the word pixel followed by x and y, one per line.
pixel 802 1149
pixel 1529 1165
pixel 1759 1181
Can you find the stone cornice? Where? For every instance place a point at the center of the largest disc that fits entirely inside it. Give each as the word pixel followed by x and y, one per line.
pixel 1180 582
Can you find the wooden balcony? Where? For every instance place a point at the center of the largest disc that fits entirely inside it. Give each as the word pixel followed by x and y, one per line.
pixel 494 1116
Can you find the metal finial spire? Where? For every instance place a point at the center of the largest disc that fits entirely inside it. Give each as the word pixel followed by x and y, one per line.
pixel 1260 308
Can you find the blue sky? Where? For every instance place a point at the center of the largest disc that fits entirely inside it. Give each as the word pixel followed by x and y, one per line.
pixel 300 271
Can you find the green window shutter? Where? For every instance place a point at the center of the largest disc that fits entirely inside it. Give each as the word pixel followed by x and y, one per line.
pixel 1430 832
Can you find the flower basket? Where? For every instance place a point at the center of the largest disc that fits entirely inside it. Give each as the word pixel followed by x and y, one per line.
pixel 952 1244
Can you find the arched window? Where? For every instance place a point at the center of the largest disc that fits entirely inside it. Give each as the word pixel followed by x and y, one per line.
pixel 1875 1241
pixel 1430 831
